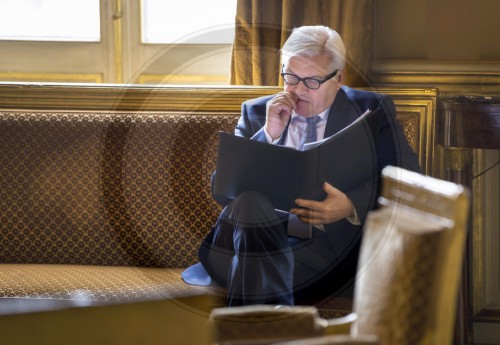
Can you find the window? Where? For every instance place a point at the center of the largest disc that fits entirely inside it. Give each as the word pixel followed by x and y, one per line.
pixel 117 41
pixel 201 22
pixel 50 20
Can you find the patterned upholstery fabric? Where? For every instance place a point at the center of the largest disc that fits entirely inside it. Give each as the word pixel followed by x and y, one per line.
pixel 130 189
pixel 410 125
pixel 412 250
pixel 93 283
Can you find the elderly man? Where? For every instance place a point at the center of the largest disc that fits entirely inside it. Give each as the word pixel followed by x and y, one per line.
pixel 262 255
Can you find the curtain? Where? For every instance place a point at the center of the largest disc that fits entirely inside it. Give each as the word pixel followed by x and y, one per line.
pixel 262 27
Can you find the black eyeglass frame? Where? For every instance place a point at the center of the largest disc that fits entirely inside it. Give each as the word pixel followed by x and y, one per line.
pixel 304 80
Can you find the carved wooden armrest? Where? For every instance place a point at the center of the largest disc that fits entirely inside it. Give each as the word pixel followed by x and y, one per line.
pixel 268 324
pixel 335 340
pixel 264 324
pixel 340 325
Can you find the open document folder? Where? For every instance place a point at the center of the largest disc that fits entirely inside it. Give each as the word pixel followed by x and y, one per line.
pixel 345 160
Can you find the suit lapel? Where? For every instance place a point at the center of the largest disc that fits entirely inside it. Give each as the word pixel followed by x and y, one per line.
pixel 342 113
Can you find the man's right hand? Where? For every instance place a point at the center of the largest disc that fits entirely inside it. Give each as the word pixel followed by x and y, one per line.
pixel 278 112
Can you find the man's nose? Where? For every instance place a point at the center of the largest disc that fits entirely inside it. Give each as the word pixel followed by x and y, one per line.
pixel 301 88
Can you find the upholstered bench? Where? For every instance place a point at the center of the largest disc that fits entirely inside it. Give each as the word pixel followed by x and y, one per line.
pixel 105 191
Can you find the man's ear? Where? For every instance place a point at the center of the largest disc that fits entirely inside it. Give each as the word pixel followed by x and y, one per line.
pixel 340 77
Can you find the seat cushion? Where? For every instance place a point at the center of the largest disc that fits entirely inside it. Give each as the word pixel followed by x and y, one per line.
pixel 92 284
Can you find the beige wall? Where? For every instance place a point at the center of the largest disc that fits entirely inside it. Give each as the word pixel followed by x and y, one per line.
pixel 451 44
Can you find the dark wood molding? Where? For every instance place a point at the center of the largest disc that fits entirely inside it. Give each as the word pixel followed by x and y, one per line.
pixel 488 315
pixel 469 122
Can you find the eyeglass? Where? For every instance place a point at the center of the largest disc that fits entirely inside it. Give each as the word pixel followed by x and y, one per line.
pixel 311 83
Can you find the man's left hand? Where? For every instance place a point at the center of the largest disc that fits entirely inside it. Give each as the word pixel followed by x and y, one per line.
pixel 336 206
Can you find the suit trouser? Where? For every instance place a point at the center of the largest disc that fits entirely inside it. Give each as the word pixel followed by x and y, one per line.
pixel 250 253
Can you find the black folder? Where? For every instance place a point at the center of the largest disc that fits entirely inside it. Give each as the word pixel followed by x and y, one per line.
pixel 345 160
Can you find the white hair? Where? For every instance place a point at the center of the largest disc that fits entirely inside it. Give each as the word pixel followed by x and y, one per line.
pixel 311 41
